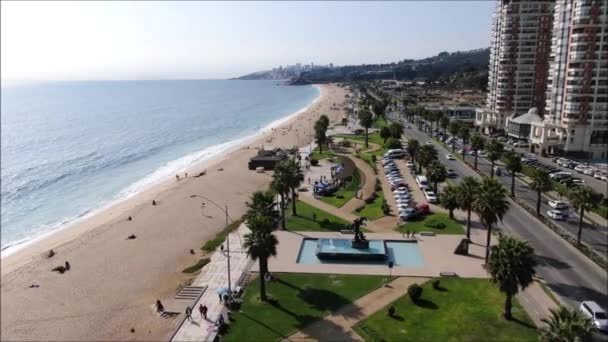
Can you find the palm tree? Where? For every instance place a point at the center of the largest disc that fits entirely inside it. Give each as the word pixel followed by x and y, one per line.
pixel 468 189
pixel 426 155
pixel 281 185
pixel 436 173
pixel 511 266
pixel 565 325
pixel 262 203
pixel 412 148
pixel 366 120
pixel 396 130
pixel 477 143
pixel 449 199
pixel 583 199
pixel 260 245
pixel 324 121
pixel 444 122
pixel 495 150
pixel 294 177
pixel 320 135
pixel 463 132
pixel 513 165
pixel 490 205
pixel 541 182
pixel 385 133
pixel 454 130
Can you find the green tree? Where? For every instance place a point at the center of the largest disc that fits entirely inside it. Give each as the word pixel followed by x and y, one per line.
pixel 513 165
pixel 477 143
pixel 426 154
pixel 454 130
pixel 565 325
pixel 444 122
pixel 385 133
pixel 366 120
pixel 294 177
pixel 320 134
pixel 260 245
pixel 541 182
pixel 393 143
pixel 412 148
pixel 324 121
pixel 464 132
pixel 583 199
pixel 449 199
pixel 491 205
pixel 467 192
pixel 436 173
pixel 511 266
pixel 495 151
pixel 262 203
pixel 396 130
pixel 281 185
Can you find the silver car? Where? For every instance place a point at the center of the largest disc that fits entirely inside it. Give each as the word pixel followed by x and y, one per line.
pixel 596 313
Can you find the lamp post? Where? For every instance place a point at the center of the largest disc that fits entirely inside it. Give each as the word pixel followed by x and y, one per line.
pixel 225 210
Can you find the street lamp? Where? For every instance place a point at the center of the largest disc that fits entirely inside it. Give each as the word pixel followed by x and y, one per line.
pixel 225 210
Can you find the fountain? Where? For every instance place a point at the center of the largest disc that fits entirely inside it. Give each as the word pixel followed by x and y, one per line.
pixel 359 248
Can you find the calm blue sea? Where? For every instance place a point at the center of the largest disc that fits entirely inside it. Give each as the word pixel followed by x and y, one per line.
pixel 69 148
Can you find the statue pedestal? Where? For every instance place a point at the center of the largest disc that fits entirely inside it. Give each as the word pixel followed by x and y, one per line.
pixel 360 244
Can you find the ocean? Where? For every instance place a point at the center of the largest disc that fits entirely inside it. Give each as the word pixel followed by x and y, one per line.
pixel 71 148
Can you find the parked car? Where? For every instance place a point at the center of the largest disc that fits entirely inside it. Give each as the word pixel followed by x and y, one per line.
pixel 559 205
pixel 592 310
pixel 449 157
pixel 451 173
pixel 422 182
pixel 521 144
pixel 580 168
pixel 430 196
pixel 597 175
pixel 408 214
pixel 560 175
pixel 423 208
pixel 557 215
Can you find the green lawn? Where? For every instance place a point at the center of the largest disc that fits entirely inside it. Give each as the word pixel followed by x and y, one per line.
pixel 297 300
pixel 451 226
pixel 322 155
pixel 373 211
pixel 379 123
pixel 346 193
pixel 305 219
pixel 461 310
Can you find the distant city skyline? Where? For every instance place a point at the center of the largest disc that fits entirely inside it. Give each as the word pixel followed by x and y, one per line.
pixel 168 40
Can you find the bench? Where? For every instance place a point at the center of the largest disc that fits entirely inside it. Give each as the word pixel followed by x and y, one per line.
pixel 346 231
pixel 448 274
pixel 427 233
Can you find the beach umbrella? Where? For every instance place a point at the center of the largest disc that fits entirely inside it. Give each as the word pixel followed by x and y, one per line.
pixel 223 290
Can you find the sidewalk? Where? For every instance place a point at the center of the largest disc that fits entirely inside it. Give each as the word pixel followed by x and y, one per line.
pixel 338 325
pixel 214 276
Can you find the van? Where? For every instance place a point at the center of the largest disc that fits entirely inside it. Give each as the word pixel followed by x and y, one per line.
pixel 396 153
pixel 560 175
pixel 422 182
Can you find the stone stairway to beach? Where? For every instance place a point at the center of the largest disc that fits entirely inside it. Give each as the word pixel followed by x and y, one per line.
pixel 191 292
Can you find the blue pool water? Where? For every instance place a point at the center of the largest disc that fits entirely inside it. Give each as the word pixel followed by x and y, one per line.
pixel 402 253
pixel 344 246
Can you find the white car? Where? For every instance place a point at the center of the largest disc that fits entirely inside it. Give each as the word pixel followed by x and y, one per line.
pixel 605 177
pixel 596 313
pixel 482 154
pixel 403 201
pixel 430 196
pixel 580 168
pixel 403 195
pixel 558 205
pixel 589 171
pixel 429 142
pixel 449 157
pixel 557 215
pixel 409 164
pixel 597 175
pixel 400 193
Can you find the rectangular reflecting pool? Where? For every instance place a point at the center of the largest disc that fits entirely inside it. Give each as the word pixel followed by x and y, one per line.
pixel 401 253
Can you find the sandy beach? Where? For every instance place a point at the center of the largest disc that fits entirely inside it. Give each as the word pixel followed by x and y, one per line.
pixel 114 282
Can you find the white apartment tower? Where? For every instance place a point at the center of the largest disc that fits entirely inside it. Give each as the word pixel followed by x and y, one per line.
pixel 576 111
pixel 521 36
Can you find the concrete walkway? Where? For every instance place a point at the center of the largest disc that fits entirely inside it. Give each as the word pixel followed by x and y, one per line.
pixel 368 177
pixel 214 276
pixel 338 325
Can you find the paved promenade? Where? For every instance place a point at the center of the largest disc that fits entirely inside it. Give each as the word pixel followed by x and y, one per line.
pixel 214 276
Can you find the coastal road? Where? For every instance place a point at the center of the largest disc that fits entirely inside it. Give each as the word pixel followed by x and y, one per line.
pixel 570 274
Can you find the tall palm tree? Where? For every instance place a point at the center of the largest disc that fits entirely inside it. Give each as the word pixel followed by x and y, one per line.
pixel 541 182
pixel 436 173
pixel 454 130
pixel 295 177
pixel 477 143
pixel 444 122
pixel 426 155
pixel 565 325
pixel 366 120
pixel 320 135
pixel 490 205
pixel 513 165
pixel 468 189
pixel 412 148
pixel 583 199
pixel 464 132
pixel 262 203
pixel 281 185
pixel 324 121
pixel 260 245
pixel 396 130
pixel 511 266
pixel 449 199
pixel 495 151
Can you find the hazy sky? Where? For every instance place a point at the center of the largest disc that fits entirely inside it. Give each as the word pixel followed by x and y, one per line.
pixel 143 40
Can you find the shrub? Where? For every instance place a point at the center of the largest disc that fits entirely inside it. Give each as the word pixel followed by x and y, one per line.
pixel 392 143
pixel 314 162
pixel 373 158
pixel 340 196
pixel 371 198
pixel 433 223
pixel 358 209
pixel 414 291
pixel 385 208
pixel 436 284
pixel 345 143
pixel 326 221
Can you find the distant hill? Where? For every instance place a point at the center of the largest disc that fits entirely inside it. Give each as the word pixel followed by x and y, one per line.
pixel 462 69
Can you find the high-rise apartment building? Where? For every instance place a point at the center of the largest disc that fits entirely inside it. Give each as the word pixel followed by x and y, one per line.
pixel 521 37
pixel 576 112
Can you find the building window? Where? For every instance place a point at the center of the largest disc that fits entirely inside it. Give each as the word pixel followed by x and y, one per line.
pixel 572 132
pixel 571 140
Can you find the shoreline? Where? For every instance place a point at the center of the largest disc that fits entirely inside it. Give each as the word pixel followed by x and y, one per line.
pixel 148 182
pixel 114 282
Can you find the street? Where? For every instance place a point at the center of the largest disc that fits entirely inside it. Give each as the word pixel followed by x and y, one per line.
pixel 570 274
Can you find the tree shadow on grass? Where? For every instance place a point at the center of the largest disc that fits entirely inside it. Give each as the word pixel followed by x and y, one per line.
pixel 427 304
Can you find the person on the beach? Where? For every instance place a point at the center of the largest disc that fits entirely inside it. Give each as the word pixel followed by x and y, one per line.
pixel 188 313
pixel 203 309
pixel 176 177
pixel 153 202
pixel 222 249
pixel 67 266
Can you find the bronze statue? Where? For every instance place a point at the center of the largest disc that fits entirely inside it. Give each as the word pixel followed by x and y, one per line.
pixel 359 240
